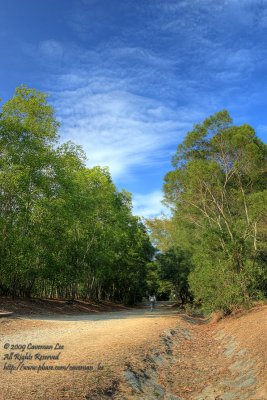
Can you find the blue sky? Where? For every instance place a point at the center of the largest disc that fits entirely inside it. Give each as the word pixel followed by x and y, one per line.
pixel 129 78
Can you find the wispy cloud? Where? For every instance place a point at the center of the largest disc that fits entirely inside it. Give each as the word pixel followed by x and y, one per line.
pixel 149 205
pixel 129 84
pixel 116 102
pixel 118 128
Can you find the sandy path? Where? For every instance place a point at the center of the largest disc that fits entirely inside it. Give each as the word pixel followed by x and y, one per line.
pixel 110 339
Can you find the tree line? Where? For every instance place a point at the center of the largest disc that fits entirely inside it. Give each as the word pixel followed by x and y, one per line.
pixel 66 231
pixel 215 239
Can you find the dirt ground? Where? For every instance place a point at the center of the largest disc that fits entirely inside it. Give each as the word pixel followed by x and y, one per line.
pixel 133 354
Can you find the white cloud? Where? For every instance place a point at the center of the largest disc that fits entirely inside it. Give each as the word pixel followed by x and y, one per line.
pixel 129 98
pixel 149 205
pixel 117 128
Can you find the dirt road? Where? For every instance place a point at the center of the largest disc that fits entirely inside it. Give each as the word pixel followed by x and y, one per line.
pixel 135 354
pixel 105 339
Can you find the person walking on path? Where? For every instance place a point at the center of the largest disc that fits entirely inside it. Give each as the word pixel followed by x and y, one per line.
pixel 152 301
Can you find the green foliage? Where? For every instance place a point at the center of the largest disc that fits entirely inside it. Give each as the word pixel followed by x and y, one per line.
pixel 218 198
pixel 66 230
pixel 174 267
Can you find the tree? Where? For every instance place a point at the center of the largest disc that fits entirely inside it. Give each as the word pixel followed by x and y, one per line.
pixel 67 232
pixel 217 193
pixel 174 267
pixel 27 134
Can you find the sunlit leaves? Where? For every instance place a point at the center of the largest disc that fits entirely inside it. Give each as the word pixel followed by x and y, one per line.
pixel 216 192
pixel 66 230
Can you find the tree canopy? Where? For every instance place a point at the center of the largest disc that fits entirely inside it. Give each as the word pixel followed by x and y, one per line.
pixel 66 231
pixel 217 194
